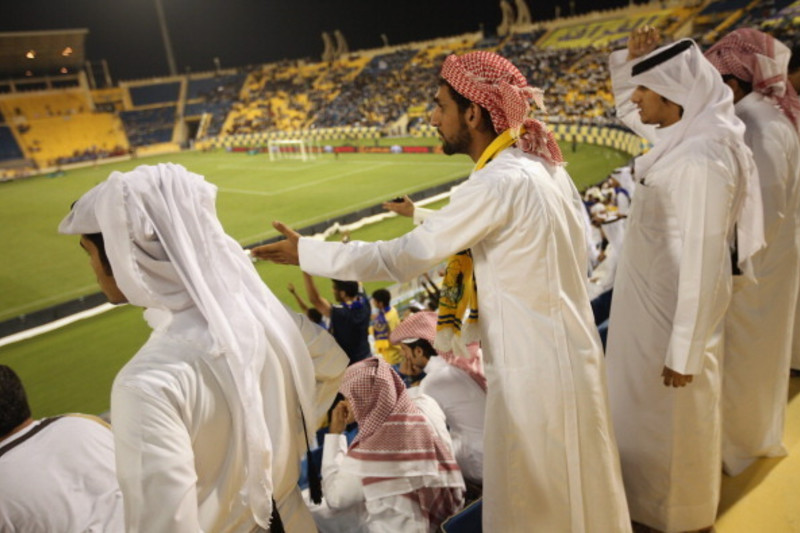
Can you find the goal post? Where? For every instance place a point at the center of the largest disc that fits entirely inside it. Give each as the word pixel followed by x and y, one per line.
pixel 301 149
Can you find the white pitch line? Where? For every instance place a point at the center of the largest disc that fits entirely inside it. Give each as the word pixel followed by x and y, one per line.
pixel 63 295
pixel 372 201
pixel 56 324
pixel 303 185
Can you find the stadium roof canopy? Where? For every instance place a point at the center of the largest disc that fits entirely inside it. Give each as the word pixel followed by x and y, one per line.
pixel 41 53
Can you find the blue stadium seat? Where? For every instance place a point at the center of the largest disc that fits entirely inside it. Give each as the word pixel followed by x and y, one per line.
pixel 9 149
pixel 157 93
pixel 468 520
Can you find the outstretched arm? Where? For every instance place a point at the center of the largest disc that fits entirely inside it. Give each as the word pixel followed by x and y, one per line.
pixel 321 304
pixel 297 298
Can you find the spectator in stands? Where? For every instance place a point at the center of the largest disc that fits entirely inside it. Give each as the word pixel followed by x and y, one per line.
pixel 398 473
pixel 57 473
pixel 759 322
pixel 349 318
pixel 384 322
pixel 521 268
pixel 673 283
pixel 209 415
pixel 456 383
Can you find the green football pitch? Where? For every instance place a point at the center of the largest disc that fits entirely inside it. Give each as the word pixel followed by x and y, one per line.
pixel 71 369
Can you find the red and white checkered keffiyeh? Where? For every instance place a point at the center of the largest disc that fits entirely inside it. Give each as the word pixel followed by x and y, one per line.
pixel 494 83
pixel 758 58
pixel 422 325
pixel 396 447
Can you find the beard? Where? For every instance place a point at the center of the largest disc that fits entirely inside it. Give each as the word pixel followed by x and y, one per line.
pixel 459 145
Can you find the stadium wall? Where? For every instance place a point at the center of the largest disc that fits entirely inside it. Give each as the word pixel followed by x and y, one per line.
pixel 259 139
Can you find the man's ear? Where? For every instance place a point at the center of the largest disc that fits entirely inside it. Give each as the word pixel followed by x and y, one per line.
pixel 473 115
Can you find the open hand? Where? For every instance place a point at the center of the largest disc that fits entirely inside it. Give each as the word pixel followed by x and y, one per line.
pixel 282 252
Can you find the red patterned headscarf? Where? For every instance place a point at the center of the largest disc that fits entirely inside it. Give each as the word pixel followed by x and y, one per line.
pixel 422 325
pixel 395 441
pixel 494 83
pixel 758 58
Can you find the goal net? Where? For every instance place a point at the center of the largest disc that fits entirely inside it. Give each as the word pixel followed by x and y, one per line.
pixel 301 149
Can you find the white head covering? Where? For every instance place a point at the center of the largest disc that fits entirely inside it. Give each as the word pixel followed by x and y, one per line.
pixel 689 80
pixel 168 250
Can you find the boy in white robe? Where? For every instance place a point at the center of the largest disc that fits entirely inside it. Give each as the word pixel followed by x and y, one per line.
pixel 673 281
pixel 209 415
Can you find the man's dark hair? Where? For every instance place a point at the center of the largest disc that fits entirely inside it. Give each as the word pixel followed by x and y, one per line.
pixel 314 315
pixel 100 244
pixel 427 349
pixel 350 288
pixel 14 408
pixel 743 85
pixel 463 103
pixel 794 61
pixel 383 297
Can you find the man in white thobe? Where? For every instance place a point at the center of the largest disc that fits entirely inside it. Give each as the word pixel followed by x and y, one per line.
pixel 550 460
pixel 759 322
pixel 208 417
pixel 673 281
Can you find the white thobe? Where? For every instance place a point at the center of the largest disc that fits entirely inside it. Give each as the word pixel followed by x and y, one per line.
pixel 550 460
pixel 180 463
pixel 464 405
pixel 671 292
pixel 61 479
pixel 759 322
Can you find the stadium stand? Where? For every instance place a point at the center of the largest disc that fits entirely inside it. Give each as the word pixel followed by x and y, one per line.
pixel 149 126
pixel 9 149
pixel 368 93
pixel 157 93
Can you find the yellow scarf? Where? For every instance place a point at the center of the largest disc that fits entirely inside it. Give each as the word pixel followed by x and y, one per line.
pixel 459 293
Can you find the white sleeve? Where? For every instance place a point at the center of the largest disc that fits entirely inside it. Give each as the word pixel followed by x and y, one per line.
pixel 421 214
pixel 155 464
pixel 702 194
pixel 340 489
pixel 475 210
pixel 329 362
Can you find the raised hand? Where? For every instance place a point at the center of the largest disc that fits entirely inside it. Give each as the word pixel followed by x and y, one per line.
pixel 642 41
